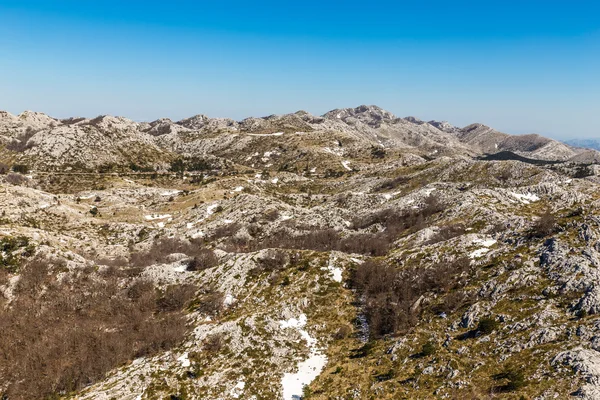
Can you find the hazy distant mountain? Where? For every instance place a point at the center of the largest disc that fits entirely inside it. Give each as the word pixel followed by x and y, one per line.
pixel 585 143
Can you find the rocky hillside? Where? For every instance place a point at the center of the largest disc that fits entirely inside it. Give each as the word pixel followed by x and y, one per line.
pixel 356 255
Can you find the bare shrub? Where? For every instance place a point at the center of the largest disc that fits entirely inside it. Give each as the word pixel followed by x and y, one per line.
pixel 162 248
pixel 544 226
pixel 225 231
pixel 210 303
pixel 59 336
pixel 112 262
pixel 270 215
pixel 274 260
pixel 390 184
pixel 4 168
pixel 205 259
pixel 20 145
pixel 447 232
pixel 392 298
pixel 15 179
pixel 176 297
pixel 343 332
pixel 213 343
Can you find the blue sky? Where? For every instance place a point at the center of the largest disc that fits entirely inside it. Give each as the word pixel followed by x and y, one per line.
pixel 519 66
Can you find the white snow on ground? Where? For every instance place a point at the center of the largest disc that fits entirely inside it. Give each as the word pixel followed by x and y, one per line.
pixel 346 165
pixel 229 300
pixel 293 322
pixel 184 360
pixel 153 217
pixel 238 189
pixel 293 383
pixel 485 243
pixel 286 217
pixel 266 134
pixel 210 210
pixel 313 170
pixel 44 205
pixel 170 193
pixel 275 180
pixel 338 151
pixel 180 268
pixel 525 198
pixel 228 221
pixel 161 224
pixel 128 181
pixel 388 196
pixel 428 192
pixel 336 272
pixel 197 234
pixel 91 196
pixel 238 389
pixel 479 253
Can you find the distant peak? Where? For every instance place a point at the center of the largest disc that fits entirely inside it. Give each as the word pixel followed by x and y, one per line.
pixel 444 126
pixel 414 120
pixel 370 115
pixel 476 126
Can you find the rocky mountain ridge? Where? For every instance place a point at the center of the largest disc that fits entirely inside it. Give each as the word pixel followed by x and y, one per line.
pixel 80 143
pixel 354 255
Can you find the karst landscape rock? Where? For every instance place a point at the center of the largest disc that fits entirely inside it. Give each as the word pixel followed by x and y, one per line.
pixel 354 255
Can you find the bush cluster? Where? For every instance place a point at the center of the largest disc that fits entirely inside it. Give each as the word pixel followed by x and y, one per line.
pixel 59 336
pixel 392 298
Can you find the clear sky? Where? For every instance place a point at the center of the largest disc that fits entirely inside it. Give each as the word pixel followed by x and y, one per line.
pixel 519 66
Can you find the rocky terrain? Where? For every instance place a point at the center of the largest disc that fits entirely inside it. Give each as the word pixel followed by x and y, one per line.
pixel 354 255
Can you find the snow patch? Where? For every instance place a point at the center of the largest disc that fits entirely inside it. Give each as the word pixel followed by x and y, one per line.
pixel 229 300
pixel 197 234
pixel 293 322
pixel 153 217
pixel 484 242
pixel 388 196
pixel 238 389
pixel 525 198
pixel 180 268
pixel 210 210
pixel 170 193
pixel 184 360
pixel 335 272
pixel 479 253
pixel 346 165
pixel 293 383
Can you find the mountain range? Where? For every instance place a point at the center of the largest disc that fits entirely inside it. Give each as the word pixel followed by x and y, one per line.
pixel 353 255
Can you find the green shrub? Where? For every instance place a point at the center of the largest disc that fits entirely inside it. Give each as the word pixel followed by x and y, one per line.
pixel 20 168
pixel 428 349
pixel 515 379
pixel 487 325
